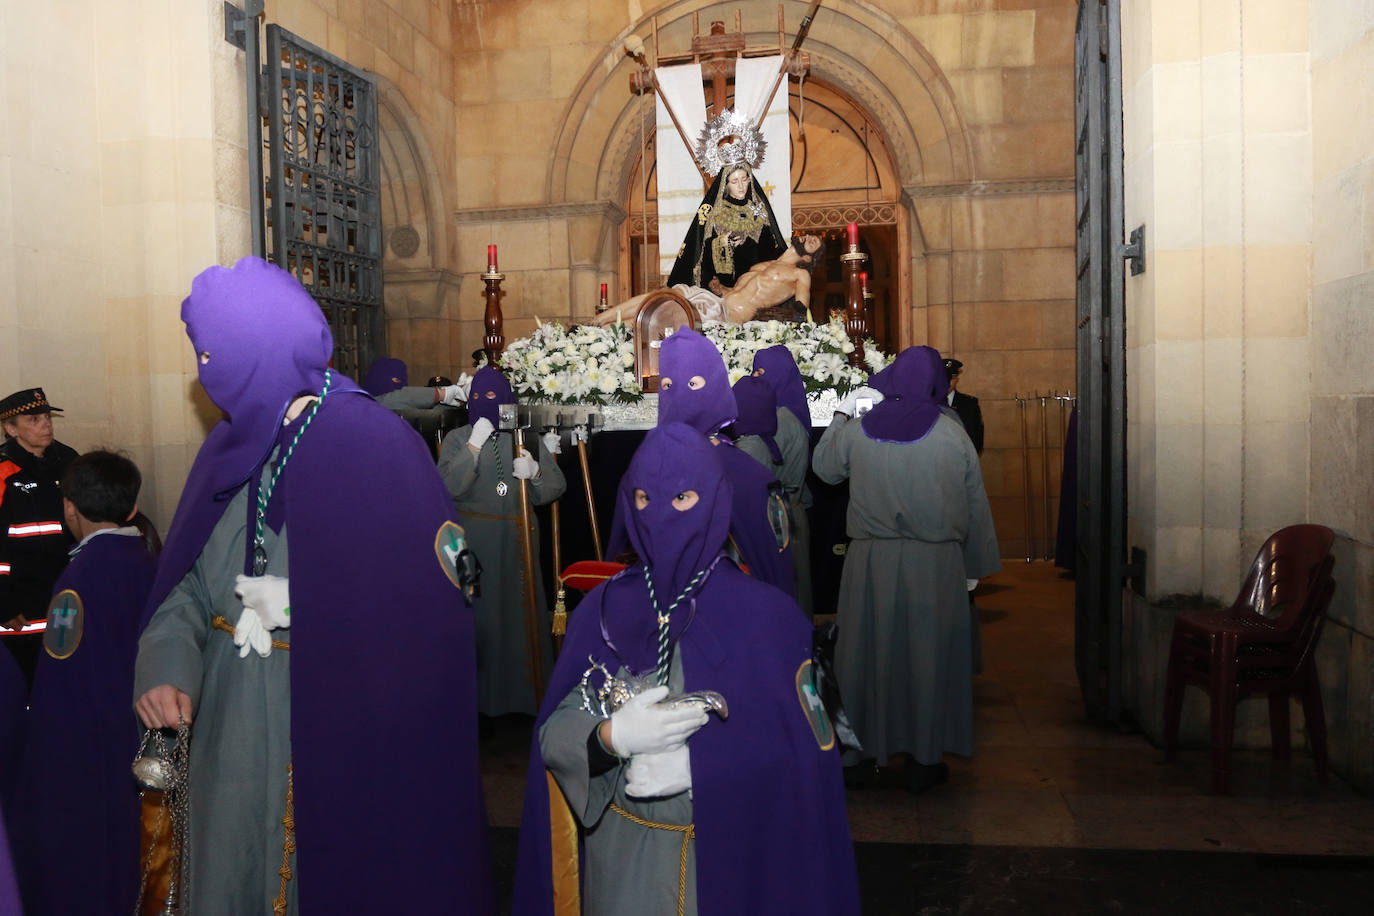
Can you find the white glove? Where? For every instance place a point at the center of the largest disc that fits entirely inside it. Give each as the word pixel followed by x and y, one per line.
pixel 641 727
pixel 971 584
pixel 579 434
pixel 524 467
pixel 452 395
pixel 553 443
pixel 659 775
pixel 250 634
pixel 846 406
pixel 465 384
pixel 266 607
pixel 481 432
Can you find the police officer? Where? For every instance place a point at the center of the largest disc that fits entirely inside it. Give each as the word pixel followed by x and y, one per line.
pixel 33 541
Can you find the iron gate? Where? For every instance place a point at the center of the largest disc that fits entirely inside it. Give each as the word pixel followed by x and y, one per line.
pixel 1101 345
pixel 322 189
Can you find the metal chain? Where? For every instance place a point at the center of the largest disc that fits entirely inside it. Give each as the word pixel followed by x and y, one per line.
pixel 176 800
pixel 265 493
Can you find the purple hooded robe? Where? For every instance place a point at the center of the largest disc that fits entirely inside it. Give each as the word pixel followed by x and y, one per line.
pixel 385 374
pixel 81 737
pixel 707 406
pixel 758 416
pixel 767 803
pixel 388 806
pixel 782 375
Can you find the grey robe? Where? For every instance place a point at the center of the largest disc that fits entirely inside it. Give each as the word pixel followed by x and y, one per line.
pixel 626 868
pixel 920 523
pixel 410 397
pixel 241 731
pixel 493 531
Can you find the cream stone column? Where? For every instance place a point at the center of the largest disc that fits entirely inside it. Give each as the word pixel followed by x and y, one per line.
pixel 1342 340
pixel 117 175
pixel 1218 165
pixel 1219 169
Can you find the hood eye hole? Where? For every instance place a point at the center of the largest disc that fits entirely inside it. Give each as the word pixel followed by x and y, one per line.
pixel 696 383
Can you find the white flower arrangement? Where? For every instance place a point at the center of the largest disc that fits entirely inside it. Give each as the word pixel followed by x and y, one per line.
pixel 592 365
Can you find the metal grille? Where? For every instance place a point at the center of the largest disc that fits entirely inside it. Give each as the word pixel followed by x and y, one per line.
pixel 323 189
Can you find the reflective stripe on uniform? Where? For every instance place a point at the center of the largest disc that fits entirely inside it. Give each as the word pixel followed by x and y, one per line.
pixel 38 626
pixel 32 529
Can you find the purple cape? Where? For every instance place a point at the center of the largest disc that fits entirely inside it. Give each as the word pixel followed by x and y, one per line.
pixel 768 797
pixel 81 737
pixel 758 413
pixel 14 694
pixel 383 730
pixel 9 893
pixel 912 389
pixel 386 374
pixel 782 375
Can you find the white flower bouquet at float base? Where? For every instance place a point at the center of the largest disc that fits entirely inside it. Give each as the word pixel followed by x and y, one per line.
pixel 591 365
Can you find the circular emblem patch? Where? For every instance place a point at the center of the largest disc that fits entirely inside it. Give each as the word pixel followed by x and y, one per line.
pixel 813 708
pixel 778 521
pixel 449 543
pixel 66 622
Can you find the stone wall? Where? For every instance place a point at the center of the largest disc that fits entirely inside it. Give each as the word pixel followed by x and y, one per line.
pixel 116 188
pixel 1342 402
pixel 1247 337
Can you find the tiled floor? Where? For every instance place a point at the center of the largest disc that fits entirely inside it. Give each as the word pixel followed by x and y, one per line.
pixel 1043 778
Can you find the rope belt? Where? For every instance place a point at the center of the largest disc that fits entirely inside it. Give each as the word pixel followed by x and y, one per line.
pixel 219 623
pixel 288 846
pixel 688 832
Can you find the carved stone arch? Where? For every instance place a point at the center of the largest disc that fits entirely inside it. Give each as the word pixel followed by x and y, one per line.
pixel 414 235
pixel 854 46
pixel 420 295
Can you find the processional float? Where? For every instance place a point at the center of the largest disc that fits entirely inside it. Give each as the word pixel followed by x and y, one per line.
pixel 727 135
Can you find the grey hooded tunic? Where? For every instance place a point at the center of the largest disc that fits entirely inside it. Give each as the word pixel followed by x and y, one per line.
pixel 492 523
pixel 920 525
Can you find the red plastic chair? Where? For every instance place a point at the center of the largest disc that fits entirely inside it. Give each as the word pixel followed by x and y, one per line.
pixel 1263 643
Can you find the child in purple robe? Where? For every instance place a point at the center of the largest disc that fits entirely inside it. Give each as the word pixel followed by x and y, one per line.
pixel 77 805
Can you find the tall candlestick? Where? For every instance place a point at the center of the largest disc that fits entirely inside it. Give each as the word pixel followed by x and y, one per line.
pixel 491 259
pixel 853 230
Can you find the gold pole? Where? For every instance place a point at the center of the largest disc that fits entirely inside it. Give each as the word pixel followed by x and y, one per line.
pixel 587 488
pixel 532 631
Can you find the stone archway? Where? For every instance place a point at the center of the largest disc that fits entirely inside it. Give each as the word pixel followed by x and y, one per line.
pixel 856 48
pixel 417 288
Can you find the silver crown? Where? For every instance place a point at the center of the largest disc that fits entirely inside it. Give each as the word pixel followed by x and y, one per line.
pixel 729 139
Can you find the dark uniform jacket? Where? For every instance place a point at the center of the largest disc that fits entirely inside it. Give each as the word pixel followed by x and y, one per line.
pixel 971 415
pixel 33 540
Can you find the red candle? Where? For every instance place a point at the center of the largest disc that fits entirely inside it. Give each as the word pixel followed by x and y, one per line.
pixel 604 303
pixel 853 235
pixel 863 280
pixel 491 259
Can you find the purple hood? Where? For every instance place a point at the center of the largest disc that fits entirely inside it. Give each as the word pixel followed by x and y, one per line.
pixel 911 388
pixel 694 387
